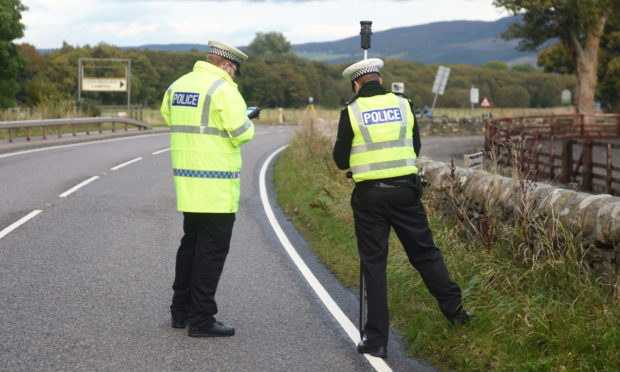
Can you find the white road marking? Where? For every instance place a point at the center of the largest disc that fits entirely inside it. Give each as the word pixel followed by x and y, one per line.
pixel 126 163
pixel 78 186
pixel 78 144
pixel 19 222
pixel 331 305
pixel 161 151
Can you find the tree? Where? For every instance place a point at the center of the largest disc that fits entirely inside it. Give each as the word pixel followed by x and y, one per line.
pixel 496 65
pixel 557 59
pixel 11 63
pixel 269 46
pixel 523 67
pixel 579 26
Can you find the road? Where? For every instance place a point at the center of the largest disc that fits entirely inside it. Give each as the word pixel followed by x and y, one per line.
pixel 86 282
pixel 445 149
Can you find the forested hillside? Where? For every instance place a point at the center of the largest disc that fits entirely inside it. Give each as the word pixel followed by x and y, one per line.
pixel 279 79
pixel 469 42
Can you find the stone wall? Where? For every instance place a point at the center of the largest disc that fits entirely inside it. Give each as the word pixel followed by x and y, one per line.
pixel 594 217
pixel 444 126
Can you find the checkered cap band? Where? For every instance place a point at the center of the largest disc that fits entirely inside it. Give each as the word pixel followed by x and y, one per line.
pixel 364 71
pixel 226 54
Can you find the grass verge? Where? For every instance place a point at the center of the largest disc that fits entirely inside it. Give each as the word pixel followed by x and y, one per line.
pixel 535 313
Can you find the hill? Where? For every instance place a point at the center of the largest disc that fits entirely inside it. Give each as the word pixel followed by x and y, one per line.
pixel 455 42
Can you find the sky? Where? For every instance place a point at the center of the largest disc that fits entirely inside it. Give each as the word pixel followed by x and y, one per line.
pixel 49 23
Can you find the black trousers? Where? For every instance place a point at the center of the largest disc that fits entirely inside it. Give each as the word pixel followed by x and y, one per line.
pixel 199 264
pixel 375 211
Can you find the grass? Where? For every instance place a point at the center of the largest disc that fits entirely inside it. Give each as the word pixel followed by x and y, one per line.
pixel 539 307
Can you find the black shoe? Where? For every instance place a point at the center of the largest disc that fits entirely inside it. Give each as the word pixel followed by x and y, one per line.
pixel 215 329
pixel 463 317
pixel 179 321
pixel 376 351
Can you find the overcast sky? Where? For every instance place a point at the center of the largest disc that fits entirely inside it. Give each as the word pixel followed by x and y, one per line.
pixel 138 22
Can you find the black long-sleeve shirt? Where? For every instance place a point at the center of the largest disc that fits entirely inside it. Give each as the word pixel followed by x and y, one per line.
pixel 344 139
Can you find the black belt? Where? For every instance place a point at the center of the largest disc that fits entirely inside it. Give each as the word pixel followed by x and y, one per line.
pixel 409 182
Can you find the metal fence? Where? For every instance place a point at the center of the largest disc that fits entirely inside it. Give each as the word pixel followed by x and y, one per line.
pixel 578 149
pixel 88 125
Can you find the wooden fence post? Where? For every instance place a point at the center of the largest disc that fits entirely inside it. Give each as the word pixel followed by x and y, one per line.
pixel 587 165
pixel 609 168
pixel 567 160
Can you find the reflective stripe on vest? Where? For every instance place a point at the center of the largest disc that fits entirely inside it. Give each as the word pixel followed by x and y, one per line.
pixel 210 130
pixel 383 165
pixel 207 104
pixel 382 145
pixel 204 174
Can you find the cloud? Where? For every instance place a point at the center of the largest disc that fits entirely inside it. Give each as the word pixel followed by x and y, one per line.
pixel 137 22
pixel 124 29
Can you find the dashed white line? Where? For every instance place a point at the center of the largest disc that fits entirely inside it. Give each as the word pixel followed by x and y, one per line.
pixel 18 223
pixel 126 163
pixel 331 305
pixel 94 142
pixel 161 151
pixel 78 186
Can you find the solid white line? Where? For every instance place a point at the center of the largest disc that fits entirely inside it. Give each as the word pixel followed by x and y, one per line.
pixel 78 186
pixel 79 144
pixel 346 324
pixel 18 223
pixel 126 163
pixel 161 151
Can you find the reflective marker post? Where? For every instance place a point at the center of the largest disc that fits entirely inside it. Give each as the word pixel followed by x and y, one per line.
pixel 365 33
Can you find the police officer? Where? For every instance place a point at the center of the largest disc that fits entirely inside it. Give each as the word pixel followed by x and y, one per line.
pixel 208 124
pixel 379 141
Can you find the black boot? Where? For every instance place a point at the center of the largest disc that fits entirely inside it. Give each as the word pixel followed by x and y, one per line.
pixel 462 317
pixel 215 329
pixel 377 351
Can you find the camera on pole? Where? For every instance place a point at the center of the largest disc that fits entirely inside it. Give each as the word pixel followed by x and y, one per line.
pixel 365 32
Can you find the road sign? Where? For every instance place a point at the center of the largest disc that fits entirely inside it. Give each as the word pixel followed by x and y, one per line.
pixel 398 87
pixel 566 97
pixel 441 79
pixel 474 95
pixel 485 102
pixel 105 85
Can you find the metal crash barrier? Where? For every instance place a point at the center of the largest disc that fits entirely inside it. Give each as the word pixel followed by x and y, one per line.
pixel 13 126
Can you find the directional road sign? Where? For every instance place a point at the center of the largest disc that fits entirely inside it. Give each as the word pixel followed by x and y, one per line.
pixel 441 79
pixel 105 84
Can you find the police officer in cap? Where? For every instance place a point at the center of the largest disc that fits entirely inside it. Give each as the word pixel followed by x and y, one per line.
pixel 378 139
pixel 208 125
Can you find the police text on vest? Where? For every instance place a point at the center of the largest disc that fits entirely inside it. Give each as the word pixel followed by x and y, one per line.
pixel 381 116
pixel 185 99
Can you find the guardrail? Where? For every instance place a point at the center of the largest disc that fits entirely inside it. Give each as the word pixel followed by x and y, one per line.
pixel 566 148
pixel 28 125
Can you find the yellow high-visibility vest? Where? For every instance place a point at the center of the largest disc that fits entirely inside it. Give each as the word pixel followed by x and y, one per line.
pixel 382 137
pixel 208 124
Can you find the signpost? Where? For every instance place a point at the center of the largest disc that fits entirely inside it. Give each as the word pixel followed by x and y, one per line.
pixel 105 84
pixel 441 80
pixel 474 97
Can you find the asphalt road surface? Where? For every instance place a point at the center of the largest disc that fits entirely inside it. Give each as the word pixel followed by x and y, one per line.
pixel 445 149
pixel 88 236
